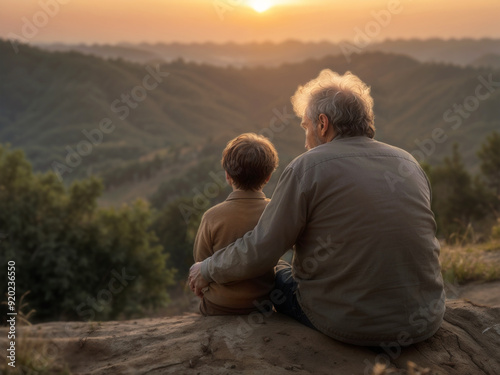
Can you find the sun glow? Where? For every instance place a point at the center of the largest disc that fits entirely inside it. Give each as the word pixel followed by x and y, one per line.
pixel 260 5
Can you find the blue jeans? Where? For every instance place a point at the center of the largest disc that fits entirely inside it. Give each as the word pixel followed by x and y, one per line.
pixel 285 282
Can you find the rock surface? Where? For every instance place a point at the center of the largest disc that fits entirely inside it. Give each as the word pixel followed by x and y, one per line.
pixel 467 343
pixel 482 293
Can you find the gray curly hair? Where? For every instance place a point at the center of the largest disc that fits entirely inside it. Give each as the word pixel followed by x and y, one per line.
pixel 345 100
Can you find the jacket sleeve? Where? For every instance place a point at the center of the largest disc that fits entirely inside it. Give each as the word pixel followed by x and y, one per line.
pixel 260 249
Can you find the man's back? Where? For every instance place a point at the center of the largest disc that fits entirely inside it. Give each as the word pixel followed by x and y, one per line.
pixel 367 260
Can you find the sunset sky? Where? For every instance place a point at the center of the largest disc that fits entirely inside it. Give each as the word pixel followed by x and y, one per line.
pixel 113 21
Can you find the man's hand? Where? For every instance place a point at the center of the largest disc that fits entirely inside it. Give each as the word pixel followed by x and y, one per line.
pixel 196 281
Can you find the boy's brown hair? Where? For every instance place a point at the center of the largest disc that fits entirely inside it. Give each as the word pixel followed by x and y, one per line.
pixel 249 160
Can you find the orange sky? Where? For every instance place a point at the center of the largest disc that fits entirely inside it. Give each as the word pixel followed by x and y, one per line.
pixel 112 21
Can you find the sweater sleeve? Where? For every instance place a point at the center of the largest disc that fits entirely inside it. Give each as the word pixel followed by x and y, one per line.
pixel 202 245
pixel 259 250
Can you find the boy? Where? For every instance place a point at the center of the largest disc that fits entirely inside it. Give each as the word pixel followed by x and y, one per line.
pixel 249 160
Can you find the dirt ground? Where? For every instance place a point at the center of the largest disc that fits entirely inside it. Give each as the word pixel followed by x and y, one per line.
pixel 467 343
pixel 482 293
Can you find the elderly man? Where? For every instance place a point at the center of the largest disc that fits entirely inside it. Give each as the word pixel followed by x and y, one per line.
pixel 366 268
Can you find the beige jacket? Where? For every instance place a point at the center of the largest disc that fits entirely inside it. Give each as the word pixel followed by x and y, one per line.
pixel 366 257
pixel 220 226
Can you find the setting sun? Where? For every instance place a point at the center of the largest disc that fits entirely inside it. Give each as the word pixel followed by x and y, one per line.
pixel 260 5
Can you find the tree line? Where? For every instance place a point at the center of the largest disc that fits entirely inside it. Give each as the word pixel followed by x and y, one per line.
pixel 467 206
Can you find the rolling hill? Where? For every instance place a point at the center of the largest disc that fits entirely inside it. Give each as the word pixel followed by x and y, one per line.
pixel 51 102
pixel 490 60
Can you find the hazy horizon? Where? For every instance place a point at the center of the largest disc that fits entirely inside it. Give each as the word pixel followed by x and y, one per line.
pixel 200 21
pixel 257 42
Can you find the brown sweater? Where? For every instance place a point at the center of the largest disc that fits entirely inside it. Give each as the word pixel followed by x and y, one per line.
pixel 220 226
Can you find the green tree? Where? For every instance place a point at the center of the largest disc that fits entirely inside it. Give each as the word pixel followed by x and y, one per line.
pixel 71 254
pixel 490 161
pixel 458 199
pixel 176 232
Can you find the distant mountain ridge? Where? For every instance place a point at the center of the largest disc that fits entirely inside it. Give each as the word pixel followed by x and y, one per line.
pixel 454 51
pixel 490 60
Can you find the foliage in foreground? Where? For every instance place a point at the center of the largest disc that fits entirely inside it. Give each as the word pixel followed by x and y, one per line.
pixel 78 260
pixel 462 264
pixel 464 204
pixel 33 355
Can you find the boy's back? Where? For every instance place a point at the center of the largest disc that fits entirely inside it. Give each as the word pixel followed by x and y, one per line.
pixel 249 160
pixel 220 226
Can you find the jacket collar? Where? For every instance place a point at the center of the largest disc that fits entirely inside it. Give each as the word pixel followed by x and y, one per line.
pixel 247 194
